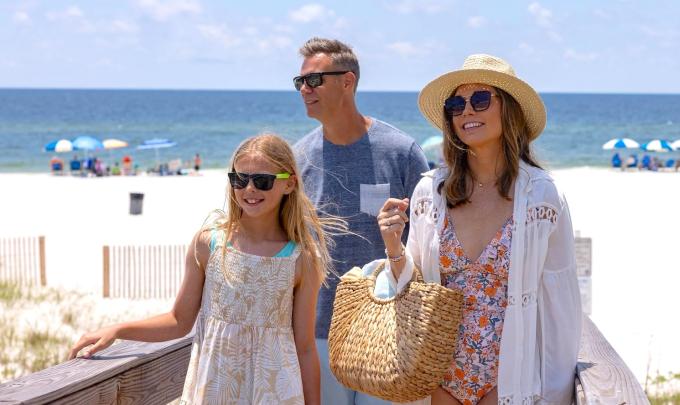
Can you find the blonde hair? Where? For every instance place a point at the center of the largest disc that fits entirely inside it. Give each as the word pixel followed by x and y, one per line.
pixel 515 146
pixel 297 214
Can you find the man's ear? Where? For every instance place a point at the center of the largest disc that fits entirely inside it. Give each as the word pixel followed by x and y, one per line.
pixel 349 80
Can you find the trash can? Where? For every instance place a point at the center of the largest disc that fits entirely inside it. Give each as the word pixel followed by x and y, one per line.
pixel 136 200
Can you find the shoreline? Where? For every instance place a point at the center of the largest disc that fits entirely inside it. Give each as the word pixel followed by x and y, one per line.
pixel 631 217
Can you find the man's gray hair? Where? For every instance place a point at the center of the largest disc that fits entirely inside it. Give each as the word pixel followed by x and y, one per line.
pixel 340 53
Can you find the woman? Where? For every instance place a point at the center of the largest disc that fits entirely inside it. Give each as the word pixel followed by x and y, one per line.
pixel 492 223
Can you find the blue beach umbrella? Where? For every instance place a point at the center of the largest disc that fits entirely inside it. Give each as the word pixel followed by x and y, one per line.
pixel 61 145
pixel 155 144
pixel 87 143
pixel 657 145
pixel 620 143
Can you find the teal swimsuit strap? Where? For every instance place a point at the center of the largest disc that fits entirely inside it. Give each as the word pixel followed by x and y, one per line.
pixel 285 251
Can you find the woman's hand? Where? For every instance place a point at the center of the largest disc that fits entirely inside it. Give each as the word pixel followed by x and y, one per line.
pixel 101 339
pixel 392 219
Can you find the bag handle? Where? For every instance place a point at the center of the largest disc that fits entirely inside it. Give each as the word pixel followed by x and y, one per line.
pixel 417 275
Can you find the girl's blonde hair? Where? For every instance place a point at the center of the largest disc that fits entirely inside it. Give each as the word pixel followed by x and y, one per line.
pixel 515 146
pixel 297 214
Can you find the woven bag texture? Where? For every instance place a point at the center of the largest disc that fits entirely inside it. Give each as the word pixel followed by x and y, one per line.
pixel 397 349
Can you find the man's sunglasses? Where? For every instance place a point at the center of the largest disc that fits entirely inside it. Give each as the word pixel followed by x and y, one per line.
pixel 313 79
pixel 479 100
pixel 261 181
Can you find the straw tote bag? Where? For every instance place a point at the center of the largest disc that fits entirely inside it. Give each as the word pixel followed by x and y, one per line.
pixel 399 348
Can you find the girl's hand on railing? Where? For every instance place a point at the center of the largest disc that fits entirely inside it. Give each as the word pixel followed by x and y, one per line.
pixel 100 340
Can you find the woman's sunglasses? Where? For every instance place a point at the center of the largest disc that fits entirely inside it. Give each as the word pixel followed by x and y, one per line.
pixel 479 100
pixel 261 181
pixel 313 79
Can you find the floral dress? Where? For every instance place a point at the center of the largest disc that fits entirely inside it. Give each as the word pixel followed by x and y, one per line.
pixel 243 351
pixel 484 283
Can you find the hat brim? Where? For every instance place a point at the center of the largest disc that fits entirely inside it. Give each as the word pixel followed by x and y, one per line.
pixel 432 97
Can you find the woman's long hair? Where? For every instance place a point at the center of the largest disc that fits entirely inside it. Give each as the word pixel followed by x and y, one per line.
pixel 457 188
pixel 297 214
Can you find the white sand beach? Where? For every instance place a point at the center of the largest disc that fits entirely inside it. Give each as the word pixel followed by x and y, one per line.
pixel 631 217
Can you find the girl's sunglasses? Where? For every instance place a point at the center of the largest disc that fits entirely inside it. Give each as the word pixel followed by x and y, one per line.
pixel 479 100
pixel 313 79
pixel 261 181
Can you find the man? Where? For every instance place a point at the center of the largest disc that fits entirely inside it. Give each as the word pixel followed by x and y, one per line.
pixel 350 166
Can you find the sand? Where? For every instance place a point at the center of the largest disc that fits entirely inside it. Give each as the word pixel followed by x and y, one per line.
pixel 631 216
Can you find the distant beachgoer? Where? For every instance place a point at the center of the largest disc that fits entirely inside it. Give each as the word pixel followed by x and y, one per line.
pixel 252 279
pixel 351 163
pixel 75 165
pixel 115 171
pixel 616 160
pixel 57 165
pixel 197 162
pixel 632 161
pixel 127 165
pixel 492 224
pixel 646 162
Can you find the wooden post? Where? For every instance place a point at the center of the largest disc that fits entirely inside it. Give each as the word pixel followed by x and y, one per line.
pixel 41 246
pixel 105 255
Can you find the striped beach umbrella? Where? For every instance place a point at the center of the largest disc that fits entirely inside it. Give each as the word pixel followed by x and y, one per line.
pixel 676 145
pixel 61 145
pixel 621 143
pixel 155 144
pixel 657 145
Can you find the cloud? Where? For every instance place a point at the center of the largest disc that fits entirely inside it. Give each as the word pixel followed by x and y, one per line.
pixel 21 17
pixel 161 10
pixel 579 56
pixel 526 48
pixel 476 22
pixel 71 13
pixel 310 13
pixel 541 14
pixel 407 49
pixel 123 27
pixel 219 34
pixel 415 6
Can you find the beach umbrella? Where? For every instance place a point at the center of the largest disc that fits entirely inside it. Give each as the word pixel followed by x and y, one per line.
pixel 114 143
pixel 620 143
pixel 61 145
pixel 676 145
pixel 155 144
pixel 657 145
pixel 87 143
pixel 432 147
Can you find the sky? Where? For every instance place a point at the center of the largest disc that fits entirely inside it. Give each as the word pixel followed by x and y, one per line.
pixel 607 46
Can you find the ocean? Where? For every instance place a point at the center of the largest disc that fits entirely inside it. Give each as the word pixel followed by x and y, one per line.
pixel 213 123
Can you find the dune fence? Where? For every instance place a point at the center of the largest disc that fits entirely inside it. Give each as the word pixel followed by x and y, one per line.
pixel 22 260
pixel 144 271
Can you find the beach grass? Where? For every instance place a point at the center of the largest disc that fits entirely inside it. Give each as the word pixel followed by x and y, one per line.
pixel 39 324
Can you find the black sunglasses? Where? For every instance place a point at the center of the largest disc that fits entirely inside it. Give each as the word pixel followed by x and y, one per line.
pixel 313 79
pixel 261 181
pixel 479 100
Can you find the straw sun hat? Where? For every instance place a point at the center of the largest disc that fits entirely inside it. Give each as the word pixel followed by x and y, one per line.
pixel 489 70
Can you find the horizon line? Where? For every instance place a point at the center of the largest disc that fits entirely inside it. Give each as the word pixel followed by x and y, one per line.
pixel 294 91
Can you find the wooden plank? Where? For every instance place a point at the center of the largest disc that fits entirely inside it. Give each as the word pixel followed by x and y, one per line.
pixel 106 273
pixel 139 373
pixel 604 376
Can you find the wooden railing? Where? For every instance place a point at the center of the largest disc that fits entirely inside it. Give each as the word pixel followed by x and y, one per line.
pixel 126 373
pixel 143 271
pixel 601 375
pixel 22 260
pixel 153 374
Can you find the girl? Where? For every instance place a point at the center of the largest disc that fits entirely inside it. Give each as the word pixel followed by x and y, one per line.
pixel 252 279
pixel 493 224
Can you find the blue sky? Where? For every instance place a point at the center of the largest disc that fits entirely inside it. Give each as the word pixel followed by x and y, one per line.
pixel 614 46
